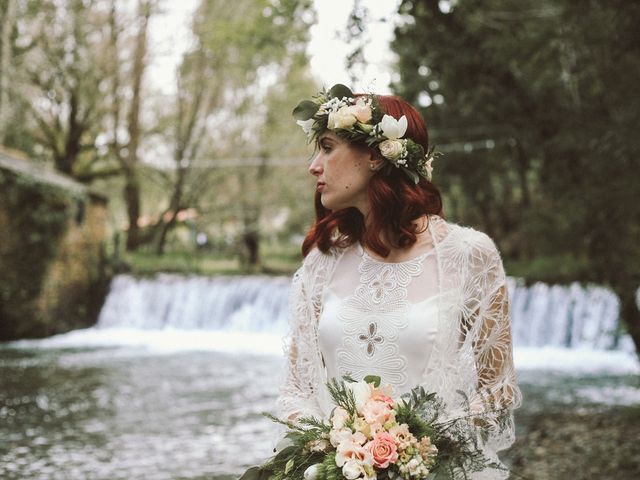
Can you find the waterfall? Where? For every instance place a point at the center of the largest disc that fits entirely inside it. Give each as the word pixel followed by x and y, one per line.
pixel 573 316
pixel 245 304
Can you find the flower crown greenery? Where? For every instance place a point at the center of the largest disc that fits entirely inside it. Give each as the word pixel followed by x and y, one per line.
pixel 361 120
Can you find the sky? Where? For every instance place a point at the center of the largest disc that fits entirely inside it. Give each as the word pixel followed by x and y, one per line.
pixel 169 38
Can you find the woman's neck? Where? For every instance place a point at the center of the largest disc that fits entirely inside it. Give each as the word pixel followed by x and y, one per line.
pixel 423 241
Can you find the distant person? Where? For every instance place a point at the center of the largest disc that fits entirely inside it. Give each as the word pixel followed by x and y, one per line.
pixel 388 287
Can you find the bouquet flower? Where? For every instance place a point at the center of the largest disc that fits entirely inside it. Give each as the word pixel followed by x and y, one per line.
pixel 371 436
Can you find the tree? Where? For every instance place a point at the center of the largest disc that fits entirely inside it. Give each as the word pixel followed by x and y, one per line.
pixel 57 78
pixel 219 105
pixel 547 86
pixel 129 156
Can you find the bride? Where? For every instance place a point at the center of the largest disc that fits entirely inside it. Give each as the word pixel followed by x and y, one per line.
pixel 388 287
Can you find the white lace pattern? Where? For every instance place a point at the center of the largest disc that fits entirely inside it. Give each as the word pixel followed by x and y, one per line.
pixel 440 320
pixel 372 319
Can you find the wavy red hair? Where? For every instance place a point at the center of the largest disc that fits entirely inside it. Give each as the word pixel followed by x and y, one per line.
pixel 394 200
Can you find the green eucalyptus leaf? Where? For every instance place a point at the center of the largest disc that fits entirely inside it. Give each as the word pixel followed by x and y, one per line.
pixel 339 90
pixel 253 473
pixel 305 110
pixel 375 379
pixel 286 452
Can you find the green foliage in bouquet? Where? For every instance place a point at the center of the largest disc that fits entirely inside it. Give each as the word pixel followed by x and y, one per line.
pixel 416 438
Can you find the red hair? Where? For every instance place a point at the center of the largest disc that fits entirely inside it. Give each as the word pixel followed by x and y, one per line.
pixel 394 200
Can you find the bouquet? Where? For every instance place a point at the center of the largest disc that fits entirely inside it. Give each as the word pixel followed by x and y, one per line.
pixel 371 436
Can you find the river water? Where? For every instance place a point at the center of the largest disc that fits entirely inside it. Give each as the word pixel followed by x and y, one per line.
pixel 138 413
pixel 162 388
pixel 112 413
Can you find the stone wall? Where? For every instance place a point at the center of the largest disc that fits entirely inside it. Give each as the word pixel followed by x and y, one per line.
pixel 52 268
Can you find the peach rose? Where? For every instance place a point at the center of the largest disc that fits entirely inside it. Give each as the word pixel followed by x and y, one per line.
pixel 383 449
pixel 375 411
pixel 362 110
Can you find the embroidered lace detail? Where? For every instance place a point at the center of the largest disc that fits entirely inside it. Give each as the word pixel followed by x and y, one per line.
pixel 372 318
pixel 371 338
pixel 471 350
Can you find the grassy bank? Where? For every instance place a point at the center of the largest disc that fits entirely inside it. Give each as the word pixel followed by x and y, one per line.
pixel 577 444
pixel 274 260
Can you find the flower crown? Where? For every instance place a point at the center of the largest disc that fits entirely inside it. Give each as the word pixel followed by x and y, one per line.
pixel 361 120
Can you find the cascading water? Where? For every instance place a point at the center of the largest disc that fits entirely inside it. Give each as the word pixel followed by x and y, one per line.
pixel 571 316
pixel 242 304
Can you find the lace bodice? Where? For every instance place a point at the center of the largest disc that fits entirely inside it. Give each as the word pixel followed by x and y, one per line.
pixel 439 320
pixel 371 327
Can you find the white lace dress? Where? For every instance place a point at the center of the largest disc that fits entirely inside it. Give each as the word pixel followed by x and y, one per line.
pixel 439 320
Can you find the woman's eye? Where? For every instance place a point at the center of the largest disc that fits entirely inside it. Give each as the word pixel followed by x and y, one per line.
pixel 326 148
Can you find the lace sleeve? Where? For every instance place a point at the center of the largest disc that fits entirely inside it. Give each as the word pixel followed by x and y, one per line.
pixel 490 327
pixel 297 393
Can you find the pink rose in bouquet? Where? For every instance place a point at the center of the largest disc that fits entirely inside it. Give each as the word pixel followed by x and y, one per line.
pixel 384 450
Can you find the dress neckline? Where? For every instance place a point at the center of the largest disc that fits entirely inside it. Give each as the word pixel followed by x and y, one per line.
pixel 416 259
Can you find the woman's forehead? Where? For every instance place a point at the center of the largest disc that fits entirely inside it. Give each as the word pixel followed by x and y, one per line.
pixel 329 135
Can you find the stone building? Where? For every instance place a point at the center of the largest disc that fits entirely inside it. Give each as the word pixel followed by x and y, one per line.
pixel 52 263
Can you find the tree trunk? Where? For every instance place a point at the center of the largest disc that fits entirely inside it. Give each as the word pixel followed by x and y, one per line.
pixel 132 200
pixel 5 63
pixel 251 242
pixel 132 186
pixel 74 135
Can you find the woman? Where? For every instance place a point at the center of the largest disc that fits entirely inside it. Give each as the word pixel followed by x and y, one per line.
pixel 388 287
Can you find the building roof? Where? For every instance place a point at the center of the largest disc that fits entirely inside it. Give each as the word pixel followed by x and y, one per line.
pixel 18 162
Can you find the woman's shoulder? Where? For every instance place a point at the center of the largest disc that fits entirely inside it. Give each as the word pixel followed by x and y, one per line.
pixel 475 243
pixel 316 259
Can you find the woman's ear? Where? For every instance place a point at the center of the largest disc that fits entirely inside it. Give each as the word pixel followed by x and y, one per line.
pixel 376 161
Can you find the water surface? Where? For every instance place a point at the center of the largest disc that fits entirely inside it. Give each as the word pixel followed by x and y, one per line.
pixel 131 412
pixel 122 413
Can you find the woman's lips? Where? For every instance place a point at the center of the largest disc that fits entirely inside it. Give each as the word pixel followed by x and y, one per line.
pixel 320 186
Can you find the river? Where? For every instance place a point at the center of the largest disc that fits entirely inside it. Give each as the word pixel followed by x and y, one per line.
pixel 178 393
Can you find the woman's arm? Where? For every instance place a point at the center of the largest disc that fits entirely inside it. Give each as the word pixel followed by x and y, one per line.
pixel 497 393
pixel 297 395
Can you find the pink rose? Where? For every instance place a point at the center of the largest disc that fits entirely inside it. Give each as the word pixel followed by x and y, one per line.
pixel 383 449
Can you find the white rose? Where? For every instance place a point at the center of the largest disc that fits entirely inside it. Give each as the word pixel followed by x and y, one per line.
pixel 343 118
pixel 392 128
pixel 311 473
pixel 306 125
pixel 391 149
pixel 352 470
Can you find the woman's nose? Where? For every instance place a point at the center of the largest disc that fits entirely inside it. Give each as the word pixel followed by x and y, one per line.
pixel 316 166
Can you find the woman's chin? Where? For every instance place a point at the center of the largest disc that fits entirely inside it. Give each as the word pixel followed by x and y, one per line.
pixel 327 203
